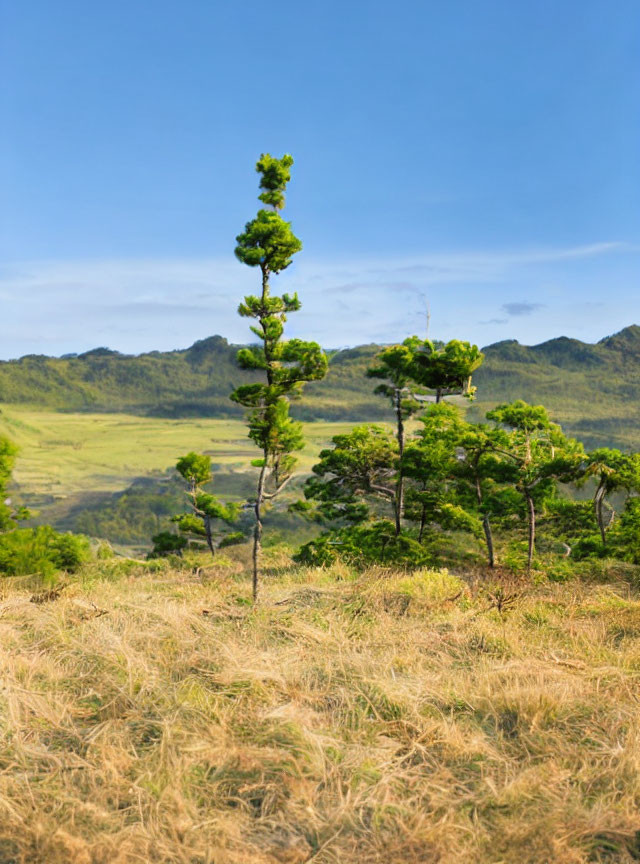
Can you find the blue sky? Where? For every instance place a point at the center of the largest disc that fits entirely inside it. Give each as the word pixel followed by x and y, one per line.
pixel 480 156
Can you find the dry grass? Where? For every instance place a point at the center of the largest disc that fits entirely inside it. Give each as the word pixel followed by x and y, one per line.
pixel 394 719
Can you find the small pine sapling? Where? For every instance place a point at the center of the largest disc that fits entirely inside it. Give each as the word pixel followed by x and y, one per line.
pixel 205 509
pixel 613 471
pixel 541 454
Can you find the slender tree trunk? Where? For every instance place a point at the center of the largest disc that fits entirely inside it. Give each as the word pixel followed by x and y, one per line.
pixel 399 502
pixel 532 528
pixel 598 502
pixel 396 514
pixel 486 525
pixel 423 522
pixel 438 395
pixel 601 524
pixel 257 530
pixel 207 528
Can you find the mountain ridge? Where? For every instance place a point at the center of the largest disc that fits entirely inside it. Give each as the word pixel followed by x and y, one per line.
pixel 592 388
pixel 631 332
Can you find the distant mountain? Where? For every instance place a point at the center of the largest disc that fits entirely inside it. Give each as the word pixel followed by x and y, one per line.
pixel 190 383
pixel 592 389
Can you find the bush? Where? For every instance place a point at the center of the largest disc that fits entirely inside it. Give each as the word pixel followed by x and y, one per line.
pixel 167 543
pixel 233 539
pixel 588 547
pixel 625 536
pixel 41 551
pixel 361 545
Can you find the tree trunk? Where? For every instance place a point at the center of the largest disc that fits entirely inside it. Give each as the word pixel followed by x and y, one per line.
pixel 423 522
pixel 598 502
pixel 486 525
pixel 257 531
pixel 399 503
pixel 207 528
pixel 396 514
pixel 532 528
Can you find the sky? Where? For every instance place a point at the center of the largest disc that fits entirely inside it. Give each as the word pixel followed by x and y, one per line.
pixel 477 158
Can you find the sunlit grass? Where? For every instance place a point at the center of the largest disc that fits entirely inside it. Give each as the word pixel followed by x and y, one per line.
pixel 62 454
pixel 352 718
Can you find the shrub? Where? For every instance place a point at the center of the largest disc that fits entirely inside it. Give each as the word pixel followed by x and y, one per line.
pixel 41 551
pixel 361 545
pixel 233 539
pixel 167 543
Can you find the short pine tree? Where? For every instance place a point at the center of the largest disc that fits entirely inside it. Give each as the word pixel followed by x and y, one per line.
pixel 204 508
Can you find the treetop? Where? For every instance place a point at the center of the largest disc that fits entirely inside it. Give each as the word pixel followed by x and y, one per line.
pixel 275 174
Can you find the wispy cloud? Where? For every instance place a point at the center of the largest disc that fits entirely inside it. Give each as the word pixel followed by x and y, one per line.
pixel 522 308
pixel 142 304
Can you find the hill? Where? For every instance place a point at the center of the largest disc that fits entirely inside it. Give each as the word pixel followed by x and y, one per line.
pixel 592 389
pixel 195 382
pixel 154 716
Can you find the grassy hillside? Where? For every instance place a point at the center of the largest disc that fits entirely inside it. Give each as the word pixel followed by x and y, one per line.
pixel 191 383
pixel 62 454
pixel 594 390
pixel 154 716
pixel 73 468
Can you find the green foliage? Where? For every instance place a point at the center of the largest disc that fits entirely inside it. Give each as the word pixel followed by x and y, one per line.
pixel 232 539
pixel 394 366
pixel 268 241
pixel 32 551
pixel 626 536
pixel 593 390
pixel 429 463
pixel 285 365
pixel 9 515
pixel 41 551
pixel 569 519
pixel 537 447
pixel 612 471
pixel 204 507
pixel 446 370
pixel 167 543
pixel 133 516
pixel 362 545
pixel 7 460
pixel 275 174
pixel 195 468
pixel 360 467
pixel 540 454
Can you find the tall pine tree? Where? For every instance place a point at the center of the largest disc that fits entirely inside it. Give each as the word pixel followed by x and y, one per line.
pixel 269 243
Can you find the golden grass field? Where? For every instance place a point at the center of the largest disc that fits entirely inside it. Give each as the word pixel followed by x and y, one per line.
pixel 388 719
pixel 63 454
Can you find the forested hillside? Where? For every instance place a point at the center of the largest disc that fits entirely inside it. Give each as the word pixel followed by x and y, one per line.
pixel 195 382
pixel 592 389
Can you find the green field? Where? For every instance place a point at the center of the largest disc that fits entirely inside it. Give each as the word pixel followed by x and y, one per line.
pixel 65 454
